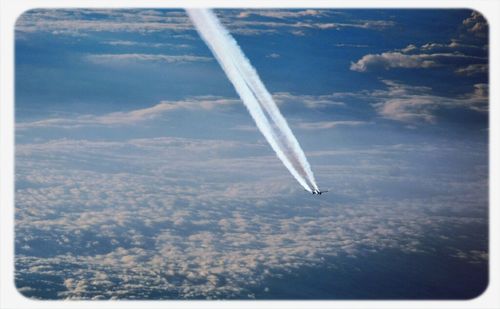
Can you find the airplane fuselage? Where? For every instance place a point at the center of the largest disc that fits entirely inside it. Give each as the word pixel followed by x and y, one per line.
pixel 318 192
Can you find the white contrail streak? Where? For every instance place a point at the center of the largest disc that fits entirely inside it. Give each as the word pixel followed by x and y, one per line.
pixel 254 95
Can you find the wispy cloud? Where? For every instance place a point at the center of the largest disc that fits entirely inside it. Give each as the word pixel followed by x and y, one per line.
pixel 82 21
pixel 282 14
pixel 322 125
pixel 413 104
pixel 134 116
pixel 472 69
pixel 273 55
pixel 393 60
pixel 310 101
pixel 145 44
pixel 256 27
pixel 453 45
pixel 101 20
pixel 351 45
pixel 198 103
pixel 120 58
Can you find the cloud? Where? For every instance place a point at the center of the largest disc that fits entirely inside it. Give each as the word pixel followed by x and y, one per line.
pixel 458 52
pixel 351 45
pixel 198 103
pixel 124 43
pixel 273 55
pixel 365 24
pixel 453 45
pixel 322 125
pixel 296 22
pixel 165 218
pixel 400 102
pixel 57 21
pixel 134 116
pixel 299 28
pixel 471 41
pixel 409 48
pixel 145 44
pixel 410 104
pixel 413 104
pixel 282 14
pixel 476 24
pixel 84 21
pixel 392 60
pixel 120 58
pixel 472 256
pixel 472 69
pixel 309 101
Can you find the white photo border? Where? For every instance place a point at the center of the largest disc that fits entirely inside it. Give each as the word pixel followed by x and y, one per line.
pixel 11 10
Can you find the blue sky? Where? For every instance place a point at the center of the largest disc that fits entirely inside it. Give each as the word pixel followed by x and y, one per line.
pixel 127 126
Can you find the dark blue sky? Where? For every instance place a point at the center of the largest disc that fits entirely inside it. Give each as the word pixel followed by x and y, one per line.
pixel 137 164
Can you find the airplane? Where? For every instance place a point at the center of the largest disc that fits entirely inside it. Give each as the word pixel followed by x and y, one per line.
pixel 317 192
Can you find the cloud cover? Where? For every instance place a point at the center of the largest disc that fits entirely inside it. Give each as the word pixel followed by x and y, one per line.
pixel 118 220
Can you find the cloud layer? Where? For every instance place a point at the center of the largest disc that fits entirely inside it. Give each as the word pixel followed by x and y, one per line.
pixel 121 220
pixel 243 22
pixel 466 54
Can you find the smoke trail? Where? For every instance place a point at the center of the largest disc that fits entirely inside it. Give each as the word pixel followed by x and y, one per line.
pixel 254 95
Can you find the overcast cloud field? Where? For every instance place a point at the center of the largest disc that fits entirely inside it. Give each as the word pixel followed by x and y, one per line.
pixel 141 175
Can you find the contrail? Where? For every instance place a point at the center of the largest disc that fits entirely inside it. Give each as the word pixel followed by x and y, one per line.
pixel 254 95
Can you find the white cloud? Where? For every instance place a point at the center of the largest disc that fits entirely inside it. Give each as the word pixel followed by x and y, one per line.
pixel 61 21
pixel 198 103
pixel 78 21
pixel 171 220
pixel 134 116
pixel 145 44
pixel 472 256
pixel 273 55
pixel 310 101
pixel 414 104
pixel 453 45
pixel 120 58
pixel 287 19
pixel 351 45
pixel 366 24
pixel 472 69
pixel 391 60
pixel 410 104
pixel 321 125
pixel 454 53
pixel 123 43
pixel 282 14
pixel 409 48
